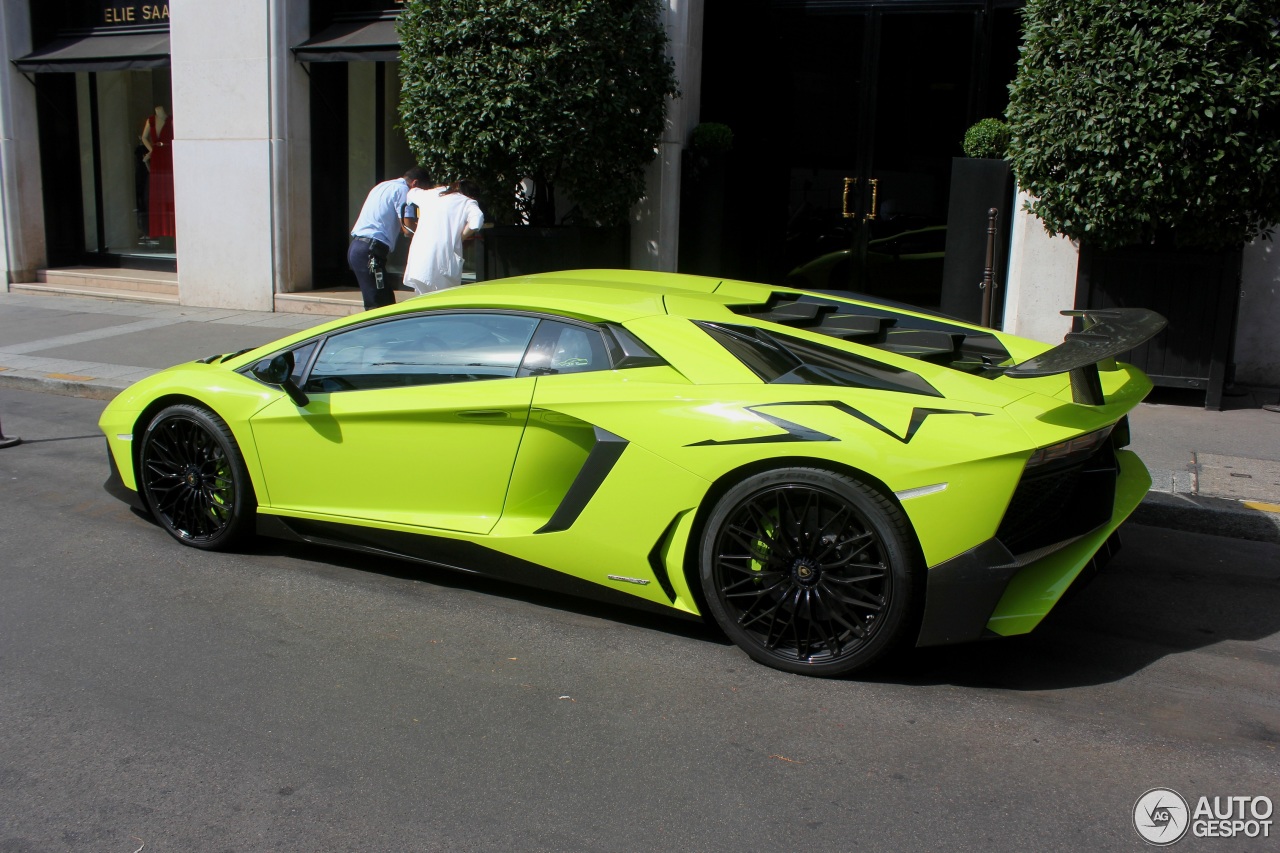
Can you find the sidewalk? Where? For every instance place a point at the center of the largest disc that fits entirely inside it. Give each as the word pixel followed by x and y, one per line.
pixel 1213 472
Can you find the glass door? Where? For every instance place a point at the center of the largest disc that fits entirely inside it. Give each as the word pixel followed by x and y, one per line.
pixel 845 123
pixel 920 109
pixel 828 198
pixel 883 112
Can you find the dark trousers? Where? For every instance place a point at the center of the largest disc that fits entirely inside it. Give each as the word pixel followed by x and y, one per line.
pixel 358 254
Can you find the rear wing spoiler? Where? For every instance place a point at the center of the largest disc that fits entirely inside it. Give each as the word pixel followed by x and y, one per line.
pixel 1106 333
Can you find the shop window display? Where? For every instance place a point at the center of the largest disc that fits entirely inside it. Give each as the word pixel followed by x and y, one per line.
pixel 157 175
pixel 126 163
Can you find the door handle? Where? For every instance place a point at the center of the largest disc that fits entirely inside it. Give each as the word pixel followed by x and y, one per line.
pixel 874 183
pixel 477 414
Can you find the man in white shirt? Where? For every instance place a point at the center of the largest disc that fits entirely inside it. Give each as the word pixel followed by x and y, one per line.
pixel 446 217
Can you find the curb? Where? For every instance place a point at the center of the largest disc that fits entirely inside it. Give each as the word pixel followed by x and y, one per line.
pixel 64 387
pixel 1258 522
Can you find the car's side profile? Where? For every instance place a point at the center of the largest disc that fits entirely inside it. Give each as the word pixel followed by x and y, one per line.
pixel 824 477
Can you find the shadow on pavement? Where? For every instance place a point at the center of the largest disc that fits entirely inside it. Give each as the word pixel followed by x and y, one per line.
pixel 1167 592
pixel 321 557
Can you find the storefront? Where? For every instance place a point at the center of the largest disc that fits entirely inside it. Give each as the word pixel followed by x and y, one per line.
pixel 846 116
pixel 104 105
pixel 284 113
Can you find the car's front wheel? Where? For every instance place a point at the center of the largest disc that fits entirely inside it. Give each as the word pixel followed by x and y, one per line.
pixel 809 571
pixel 194 480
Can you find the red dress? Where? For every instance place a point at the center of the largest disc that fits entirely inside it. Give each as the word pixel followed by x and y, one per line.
pixel 160 218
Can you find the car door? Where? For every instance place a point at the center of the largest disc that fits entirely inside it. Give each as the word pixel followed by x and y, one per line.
pixel 556 446
pixel 412 420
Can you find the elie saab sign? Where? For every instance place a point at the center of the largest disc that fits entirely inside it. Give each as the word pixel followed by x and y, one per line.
pixel 68 17
pixel 113 13
pixel 97 35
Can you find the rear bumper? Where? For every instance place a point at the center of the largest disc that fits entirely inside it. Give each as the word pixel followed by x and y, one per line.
pixel 963 592
pixel 988 591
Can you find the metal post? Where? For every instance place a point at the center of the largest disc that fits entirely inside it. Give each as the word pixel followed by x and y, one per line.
pixel 988 284
pixel 10 441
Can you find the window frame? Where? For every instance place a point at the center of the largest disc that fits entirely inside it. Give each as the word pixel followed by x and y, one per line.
pixel 622 349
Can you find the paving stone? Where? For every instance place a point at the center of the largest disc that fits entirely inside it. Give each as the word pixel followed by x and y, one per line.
pixel 1238 477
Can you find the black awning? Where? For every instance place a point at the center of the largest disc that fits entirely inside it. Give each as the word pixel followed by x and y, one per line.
pixel 100 52
pixel 352 41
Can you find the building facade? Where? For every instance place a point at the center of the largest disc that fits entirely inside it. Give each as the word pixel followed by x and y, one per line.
pixel 232 143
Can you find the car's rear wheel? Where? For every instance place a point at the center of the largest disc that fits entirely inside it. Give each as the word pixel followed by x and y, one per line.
pixel 193 478
pixel 809 571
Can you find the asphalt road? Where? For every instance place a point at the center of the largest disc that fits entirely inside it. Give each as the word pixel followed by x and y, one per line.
pixel 291 699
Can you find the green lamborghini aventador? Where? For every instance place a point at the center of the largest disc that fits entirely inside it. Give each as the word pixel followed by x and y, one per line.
pixel 826 478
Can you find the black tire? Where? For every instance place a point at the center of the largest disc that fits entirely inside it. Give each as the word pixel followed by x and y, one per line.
pixel 193 478
pixel 809 571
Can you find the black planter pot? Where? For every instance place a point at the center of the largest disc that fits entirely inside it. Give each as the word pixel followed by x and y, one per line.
pixel 977 185
pixel 1197 292
pixel 510 250
pixel 702 191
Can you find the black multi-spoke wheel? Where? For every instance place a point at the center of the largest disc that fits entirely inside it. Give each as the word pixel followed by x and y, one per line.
pixel 808 571
pixel 193 478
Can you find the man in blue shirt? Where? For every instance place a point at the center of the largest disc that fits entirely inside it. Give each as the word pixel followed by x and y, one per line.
pixel 382 219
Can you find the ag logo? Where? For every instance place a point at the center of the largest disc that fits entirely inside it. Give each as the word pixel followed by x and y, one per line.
pixel 1161 816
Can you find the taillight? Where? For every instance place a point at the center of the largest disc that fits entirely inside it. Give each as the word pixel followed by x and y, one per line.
pixel 1066 453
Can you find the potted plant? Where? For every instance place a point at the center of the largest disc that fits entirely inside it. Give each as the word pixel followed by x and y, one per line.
pixel 987 139
pixel 982 180
pixel 1146 132
pixel 566 97
pixel 704 165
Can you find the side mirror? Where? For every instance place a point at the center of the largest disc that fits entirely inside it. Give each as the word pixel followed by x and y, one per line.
pixel 279 372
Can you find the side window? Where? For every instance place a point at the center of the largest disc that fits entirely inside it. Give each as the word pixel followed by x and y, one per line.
pixel 565 348
pixel 422 350
pixel 301 355
pixel 764 358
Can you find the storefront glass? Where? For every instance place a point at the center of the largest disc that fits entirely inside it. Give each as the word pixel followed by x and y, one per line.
pixel 103 102
pixel 356 143
pixel 847 117
pixel 376 148
pixel 126 163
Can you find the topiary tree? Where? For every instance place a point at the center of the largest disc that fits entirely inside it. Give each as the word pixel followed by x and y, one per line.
pixel 1141 119
pixel 571 93
pixel 711 137
pixel 987 138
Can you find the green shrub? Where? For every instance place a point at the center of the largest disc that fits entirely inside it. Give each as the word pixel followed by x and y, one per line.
pixel 568 92
pixel 1141 119
pixel 712 138
pixel 987 138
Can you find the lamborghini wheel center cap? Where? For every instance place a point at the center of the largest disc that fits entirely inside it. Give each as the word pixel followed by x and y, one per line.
pixel 805 571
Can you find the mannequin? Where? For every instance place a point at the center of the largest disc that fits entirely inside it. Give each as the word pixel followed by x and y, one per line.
pixel 141 187
pixel 157 136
